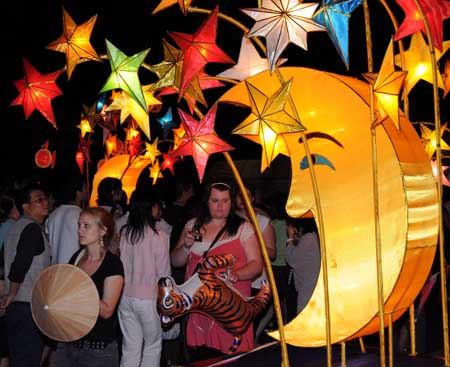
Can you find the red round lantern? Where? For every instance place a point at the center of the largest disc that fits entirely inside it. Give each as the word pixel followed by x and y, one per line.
pixel 43 158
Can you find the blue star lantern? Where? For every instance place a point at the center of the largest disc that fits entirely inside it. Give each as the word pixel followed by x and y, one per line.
pixel 334 15
pixel 167 122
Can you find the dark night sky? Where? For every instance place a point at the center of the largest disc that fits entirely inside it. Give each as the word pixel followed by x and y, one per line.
pixel 28 27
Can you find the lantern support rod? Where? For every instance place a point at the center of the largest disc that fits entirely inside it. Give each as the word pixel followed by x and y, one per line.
pixel 437 121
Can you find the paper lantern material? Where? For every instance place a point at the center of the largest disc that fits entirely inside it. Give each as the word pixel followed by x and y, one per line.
pixel 408 202
pixel 64 302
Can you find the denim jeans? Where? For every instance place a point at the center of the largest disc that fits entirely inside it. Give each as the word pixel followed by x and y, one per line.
pixel 67 355
pixel 24 338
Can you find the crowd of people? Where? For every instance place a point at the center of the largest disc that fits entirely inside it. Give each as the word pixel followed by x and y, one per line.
pixel 126 246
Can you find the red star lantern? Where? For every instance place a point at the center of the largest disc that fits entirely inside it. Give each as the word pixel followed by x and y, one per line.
pixel 200 139
pixel 435 12
pixel 169 161
pixel 83 147
pixel 135 146
pixel 199 49
pixel 36 91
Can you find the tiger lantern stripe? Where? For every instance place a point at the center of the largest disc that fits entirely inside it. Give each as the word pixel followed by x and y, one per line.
pixel 207 292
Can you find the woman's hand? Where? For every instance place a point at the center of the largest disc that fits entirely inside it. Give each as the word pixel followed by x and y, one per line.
pixel 233 277
pixel 189 239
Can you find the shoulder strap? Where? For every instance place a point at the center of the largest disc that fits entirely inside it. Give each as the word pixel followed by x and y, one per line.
pixel 80 255
pixel 214 241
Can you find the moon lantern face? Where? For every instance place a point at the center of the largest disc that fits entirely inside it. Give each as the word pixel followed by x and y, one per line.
pixel 408 203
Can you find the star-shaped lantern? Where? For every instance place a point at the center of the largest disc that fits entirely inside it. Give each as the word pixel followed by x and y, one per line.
pixel 199 49
pixel 335 16
pixel 124 73
pixel 135 145
pixel 249 63
pixel 269 119
pixel 169 73
pixel 155 172
pixel 200 139
pixel 428 138
pixel 418 62
pixel 435 11
pixel 152 151
pixel 164 4
pixel 446 77
pixel 168 161
pixel 388 84
pixel 88 118
pixel 84 147
pixel 166 122
pixel 36 91
pixel 74 42
pixel 129 107
pixel 282 22
pixel 178 135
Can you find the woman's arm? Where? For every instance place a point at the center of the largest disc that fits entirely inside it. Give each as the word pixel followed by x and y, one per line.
pixel 112 289
pixel 269 239
pixel 180 253
pixel 254 264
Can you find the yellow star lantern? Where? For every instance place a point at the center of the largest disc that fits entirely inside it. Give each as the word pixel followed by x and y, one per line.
pixel 178 135
pixel 155 172
pixel 85 127
pixel 128 106
pixel 446 77
pixel 418 62
pixel 152 151
pixel 74 42
pixel 269 119
pixel 131 133
pixel 428 138
pixel 388 84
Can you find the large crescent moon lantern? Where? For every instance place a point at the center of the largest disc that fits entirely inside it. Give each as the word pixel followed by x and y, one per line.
pixel 339 107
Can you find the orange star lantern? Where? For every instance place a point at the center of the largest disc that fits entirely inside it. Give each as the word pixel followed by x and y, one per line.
pixel 200 139
pixel 155 172
pixel 428 138
pixel 36 91
pixel 418 62
pixel 74 42
pixel 199 49
pixel 388 84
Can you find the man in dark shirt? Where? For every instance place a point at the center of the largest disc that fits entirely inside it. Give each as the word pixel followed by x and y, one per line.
pixel 26 255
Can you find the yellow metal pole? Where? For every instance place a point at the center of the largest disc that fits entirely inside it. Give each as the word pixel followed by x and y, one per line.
pixel 343 355
pixel 412 330
pixel 437 122
pixel 377 232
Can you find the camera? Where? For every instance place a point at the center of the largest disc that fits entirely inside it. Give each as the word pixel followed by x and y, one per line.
pixel 198 237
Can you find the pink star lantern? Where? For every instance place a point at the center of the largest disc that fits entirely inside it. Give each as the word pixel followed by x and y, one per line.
pixel 36 91
pixel 200 139
pixel 199 49
pixel 435 12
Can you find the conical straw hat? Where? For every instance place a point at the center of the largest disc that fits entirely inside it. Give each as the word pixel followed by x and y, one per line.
pixel 64 302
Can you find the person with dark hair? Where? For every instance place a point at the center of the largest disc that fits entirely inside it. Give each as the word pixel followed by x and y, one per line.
pixel 303 255
pixel 26 254
pixel 110 194
pixel 62 223
pixel 96 230
pixel 144 251
pixel 8 216
pixel 218 230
